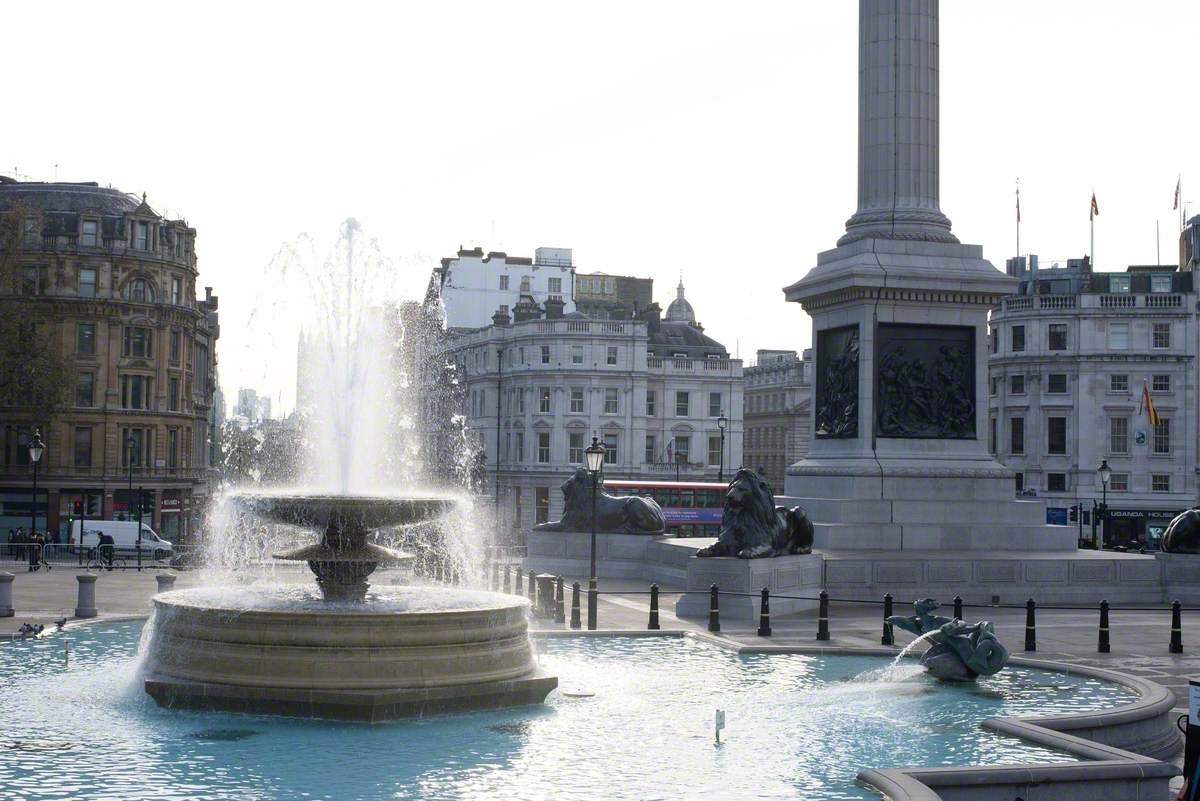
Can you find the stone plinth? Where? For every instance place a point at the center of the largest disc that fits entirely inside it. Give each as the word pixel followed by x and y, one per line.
pixel 6 606
pixel 85 606
pixel 740 583
pixel 1180 577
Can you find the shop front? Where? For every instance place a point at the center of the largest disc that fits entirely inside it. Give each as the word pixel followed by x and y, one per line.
pixel 127 505
pixel 1136 528
pixel 76 503
pixel 171 516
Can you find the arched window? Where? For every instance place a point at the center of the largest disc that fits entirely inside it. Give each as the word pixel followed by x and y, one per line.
pixel 139 290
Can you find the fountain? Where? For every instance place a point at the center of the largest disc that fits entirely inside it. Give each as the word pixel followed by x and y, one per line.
pixel 350 652
pixel 959 651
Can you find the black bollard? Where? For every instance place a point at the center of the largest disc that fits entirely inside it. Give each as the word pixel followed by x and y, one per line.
pixel 592 598
pixel 533 588
pixel 823 617
pixel 888 637
pixel 1030 626
pixel 496 576
pixel 575 606
pixel 764 614
pixel 958 607
pixel 519 589
pixel 507 579
pixel 1176 628
pixel 653 624
pixel 714 609
pixel 560 612
pixel 1102 646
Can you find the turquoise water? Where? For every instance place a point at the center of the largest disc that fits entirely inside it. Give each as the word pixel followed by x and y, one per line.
pixel 798 727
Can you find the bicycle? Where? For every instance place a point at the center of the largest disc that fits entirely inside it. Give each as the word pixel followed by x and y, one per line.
pixel 100 562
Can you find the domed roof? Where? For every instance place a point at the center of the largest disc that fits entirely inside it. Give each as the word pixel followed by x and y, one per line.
pixel 69 197
pixel 680 311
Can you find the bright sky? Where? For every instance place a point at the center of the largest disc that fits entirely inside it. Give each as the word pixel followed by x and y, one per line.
pixel 713 139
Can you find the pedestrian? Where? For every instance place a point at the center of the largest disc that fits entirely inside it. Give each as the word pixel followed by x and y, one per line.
pixel 35 553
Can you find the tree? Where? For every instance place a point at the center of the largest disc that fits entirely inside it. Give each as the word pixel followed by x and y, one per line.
pixel 34 376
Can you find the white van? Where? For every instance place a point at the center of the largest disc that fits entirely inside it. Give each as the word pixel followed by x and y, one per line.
pixel 125 537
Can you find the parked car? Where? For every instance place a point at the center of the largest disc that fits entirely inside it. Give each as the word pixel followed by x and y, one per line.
pixel 125 537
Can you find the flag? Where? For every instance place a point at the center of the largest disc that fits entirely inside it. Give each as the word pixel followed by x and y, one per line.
pixel 670 451
pixel 1148 402
pixel 1095 212
pixel 1178 183
pixel 1018 204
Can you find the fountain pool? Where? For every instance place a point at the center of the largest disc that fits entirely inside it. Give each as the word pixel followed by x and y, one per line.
pixel 799 726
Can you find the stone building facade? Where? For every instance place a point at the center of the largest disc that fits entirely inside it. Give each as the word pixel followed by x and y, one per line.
pixel 115 283
pixel 1070 358
pixel 777 412
pixel 472 284
pixel 536 391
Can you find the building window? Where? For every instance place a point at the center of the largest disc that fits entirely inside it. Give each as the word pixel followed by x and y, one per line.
pixel 681 404
pixel 172 448
pixel 994 336
pixel 545 354
pixel 1118 482
pixel 1162 335
pixel 1118 435
pixel 134 454
pixel 1057 338
pixel 543 447
pixel 1016 385
pixel 1056 435
pixel 611 401
pixel 651 403
pixel 173 393
pixel 1118 284
pixel 610 448
pixel 1056 482
pixel 577 400
pixel 714 450
pixel 612 354
pixel 504 282
pixel 576 354
pixel 520 401
pixel 138 342
pixel 1160 383
pixel 1019 481
pixel 1160 283
pixel 175 340
pixel 30 280
pixel 520 442
pixel 1016 429
pixel 992 435
pixel 541 504
pixel 85 339
pixel 1118 382
pixel 1160 482
pixel 575 447
pixel 1018 338
pixel 83 447
pixel 176 291
pixel 1056 384
pixel 1162 436
pixel 650 451
pixel 85 389
pixel 683 448
pixel 1118 336
pixel 714 405
pixel 135 391
pixel 554 286
pixel 544 400
pixel 87 282
pixel 141 236
pixel 90 234
pixel 995 387
pixel 139 291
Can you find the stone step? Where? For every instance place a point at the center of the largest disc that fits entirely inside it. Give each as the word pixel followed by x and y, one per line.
pixel 844 510
pixel 977 537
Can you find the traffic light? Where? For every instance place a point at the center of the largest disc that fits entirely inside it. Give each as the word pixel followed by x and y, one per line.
pixel 1073 513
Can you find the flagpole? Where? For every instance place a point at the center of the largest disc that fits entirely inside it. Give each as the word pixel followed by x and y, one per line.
pixel 1018 218
pixel 1157 244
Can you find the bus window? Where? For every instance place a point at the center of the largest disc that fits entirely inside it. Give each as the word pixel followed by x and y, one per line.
pixel 670 497
pixel 685 498
pixel 712 499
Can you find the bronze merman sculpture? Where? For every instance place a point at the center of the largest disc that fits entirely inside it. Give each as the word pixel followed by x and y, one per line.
pixel 959 651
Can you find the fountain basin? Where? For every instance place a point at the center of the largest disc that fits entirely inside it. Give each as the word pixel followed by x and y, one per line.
pixel 414 651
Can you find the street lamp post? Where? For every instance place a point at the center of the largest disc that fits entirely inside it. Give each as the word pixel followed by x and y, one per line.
pixel 595 463
pixel 1105 473
pixel 722 422
pixel 129 466
pixel 36 449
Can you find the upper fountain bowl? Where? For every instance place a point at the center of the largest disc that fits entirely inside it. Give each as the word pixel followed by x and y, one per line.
pixel 363 512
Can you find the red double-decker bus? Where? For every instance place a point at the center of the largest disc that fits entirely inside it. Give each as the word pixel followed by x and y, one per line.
pixel 691 508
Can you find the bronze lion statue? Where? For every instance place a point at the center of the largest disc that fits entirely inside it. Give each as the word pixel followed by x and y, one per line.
pixel 1183 533
pixel 753 526
pixel 628 515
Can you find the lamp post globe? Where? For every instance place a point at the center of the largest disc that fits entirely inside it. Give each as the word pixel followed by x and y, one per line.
pixel 36 449
pixel 722 424
pixel 594 454
pixel 1105 473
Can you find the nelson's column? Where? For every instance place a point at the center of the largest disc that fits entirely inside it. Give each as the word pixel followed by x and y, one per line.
pixel 899 457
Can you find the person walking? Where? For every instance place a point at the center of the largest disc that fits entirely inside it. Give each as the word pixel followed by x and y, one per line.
pixel 35 552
